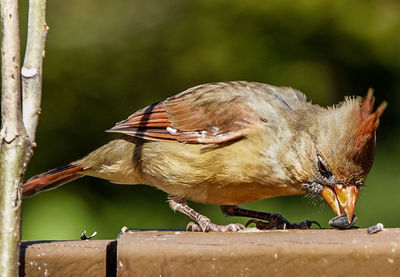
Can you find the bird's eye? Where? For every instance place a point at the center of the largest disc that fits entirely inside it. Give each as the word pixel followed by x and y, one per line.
pixel 323 168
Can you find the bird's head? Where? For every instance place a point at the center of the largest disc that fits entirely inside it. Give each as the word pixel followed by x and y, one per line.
pixel 344 140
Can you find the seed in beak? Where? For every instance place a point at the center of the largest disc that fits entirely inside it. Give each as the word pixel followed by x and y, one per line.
pixel 341 222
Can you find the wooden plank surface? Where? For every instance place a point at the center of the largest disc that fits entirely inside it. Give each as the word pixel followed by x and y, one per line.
pixel 267 253
pixel 256 253
pixel 66 258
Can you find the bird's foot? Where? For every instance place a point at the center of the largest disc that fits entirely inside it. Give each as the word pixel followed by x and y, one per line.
pixel 269 220
pixel 211 227
pixel 208 226
pixel 279 222
pixel 201 223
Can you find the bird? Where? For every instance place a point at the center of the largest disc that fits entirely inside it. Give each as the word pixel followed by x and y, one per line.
pixel 229 143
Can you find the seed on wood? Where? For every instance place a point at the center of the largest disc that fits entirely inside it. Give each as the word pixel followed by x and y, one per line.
pixel 375 228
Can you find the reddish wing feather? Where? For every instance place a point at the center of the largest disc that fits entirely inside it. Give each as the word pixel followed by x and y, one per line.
pixel 206 114
pixel 51 179
pixel 149 123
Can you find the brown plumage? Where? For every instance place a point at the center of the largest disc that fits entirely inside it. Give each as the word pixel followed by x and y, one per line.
pixel 229 143
pixel 193 117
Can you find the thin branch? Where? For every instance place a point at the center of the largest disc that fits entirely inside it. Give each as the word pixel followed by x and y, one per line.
pixel 13 141
pixel 33 66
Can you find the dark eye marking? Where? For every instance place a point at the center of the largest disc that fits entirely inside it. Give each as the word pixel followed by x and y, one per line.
pixel 323 168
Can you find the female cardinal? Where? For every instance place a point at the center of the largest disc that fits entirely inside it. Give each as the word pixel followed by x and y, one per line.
pixel 229 143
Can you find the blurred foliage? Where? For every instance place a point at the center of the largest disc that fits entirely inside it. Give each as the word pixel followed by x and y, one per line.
pixel 106 59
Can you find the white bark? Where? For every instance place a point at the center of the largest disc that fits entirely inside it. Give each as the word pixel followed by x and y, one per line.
pixel 33 66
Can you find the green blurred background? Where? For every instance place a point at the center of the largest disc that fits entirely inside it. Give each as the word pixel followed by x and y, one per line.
pixel 106 59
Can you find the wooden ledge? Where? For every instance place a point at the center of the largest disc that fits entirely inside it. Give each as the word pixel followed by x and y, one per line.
pixel 68 258
pixel 266 253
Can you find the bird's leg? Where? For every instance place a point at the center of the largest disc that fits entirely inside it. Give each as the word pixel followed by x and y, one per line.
pixel 202 223
pixel 273 220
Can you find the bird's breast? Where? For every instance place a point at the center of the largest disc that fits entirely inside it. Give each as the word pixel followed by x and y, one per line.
pixel 237 193
pixel 230 174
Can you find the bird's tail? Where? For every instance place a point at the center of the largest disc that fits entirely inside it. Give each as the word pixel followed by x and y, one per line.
pixel 52 179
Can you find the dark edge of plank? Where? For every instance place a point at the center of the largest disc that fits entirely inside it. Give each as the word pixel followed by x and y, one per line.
pixel 111 259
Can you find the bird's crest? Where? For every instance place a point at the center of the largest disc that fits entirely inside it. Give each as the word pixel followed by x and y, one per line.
pixel 369 119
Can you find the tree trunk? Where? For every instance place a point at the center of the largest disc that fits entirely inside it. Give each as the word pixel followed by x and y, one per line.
pixel 17 140
pixel 13 141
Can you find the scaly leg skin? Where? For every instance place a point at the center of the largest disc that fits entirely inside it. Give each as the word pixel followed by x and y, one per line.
pixel 202 223
pixel 273 220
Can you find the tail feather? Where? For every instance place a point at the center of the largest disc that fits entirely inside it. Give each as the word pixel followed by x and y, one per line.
pixel 51 179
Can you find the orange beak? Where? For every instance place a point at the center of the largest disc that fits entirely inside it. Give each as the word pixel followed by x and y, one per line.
pixel 342 199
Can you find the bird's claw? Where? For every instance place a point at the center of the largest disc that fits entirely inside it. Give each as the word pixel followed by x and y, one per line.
pixel 194 227
pixel 311 222
pixel 207 226
pixel 282 224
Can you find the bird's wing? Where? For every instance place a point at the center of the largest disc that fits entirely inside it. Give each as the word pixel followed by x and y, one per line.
pixel 206 114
